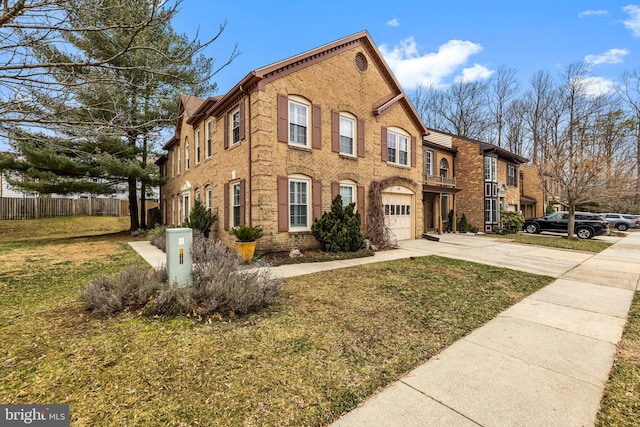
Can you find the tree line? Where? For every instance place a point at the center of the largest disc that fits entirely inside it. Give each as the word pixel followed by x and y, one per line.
pixel 585 140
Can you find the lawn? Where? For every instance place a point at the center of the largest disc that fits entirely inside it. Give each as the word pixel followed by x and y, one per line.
pixel 330 340
pixel 621 402
pixel 561 242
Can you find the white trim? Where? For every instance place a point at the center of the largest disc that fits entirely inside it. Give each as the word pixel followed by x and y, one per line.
pixel 308 201
pixel 354 131
pixel 300 102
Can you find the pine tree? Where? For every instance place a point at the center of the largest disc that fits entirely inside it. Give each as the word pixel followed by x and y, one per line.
pixel 104 120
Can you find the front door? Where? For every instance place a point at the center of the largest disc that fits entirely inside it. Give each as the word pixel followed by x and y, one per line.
pixel 429 212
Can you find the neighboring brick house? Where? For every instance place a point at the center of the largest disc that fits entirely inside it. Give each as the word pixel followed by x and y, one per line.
pixel 488 179
pixel 286 139
pixel 532 195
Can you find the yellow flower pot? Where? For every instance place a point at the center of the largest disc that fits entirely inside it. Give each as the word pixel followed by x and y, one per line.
pixel 246 250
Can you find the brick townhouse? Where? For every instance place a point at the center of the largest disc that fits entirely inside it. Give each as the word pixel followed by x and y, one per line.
pixel 491 180
pixel 277 148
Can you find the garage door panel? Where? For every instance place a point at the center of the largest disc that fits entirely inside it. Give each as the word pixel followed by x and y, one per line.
pixel 398 215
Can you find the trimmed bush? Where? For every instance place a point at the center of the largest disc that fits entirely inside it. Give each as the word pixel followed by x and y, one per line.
pixel 339 229
pixel 512 222
pixel 200 218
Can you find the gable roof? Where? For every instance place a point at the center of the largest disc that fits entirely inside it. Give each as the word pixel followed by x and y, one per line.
pixel 261 76
pixel 197 108
pixel 187 105
pixel 486 148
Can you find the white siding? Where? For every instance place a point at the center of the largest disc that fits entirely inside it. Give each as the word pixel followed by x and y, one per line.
pixel 439 138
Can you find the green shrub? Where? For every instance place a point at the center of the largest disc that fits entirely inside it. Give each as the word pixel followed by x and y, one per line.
pixel 511 222
pixel 339 229
pixel 550 209
pixel 464 227
pixel 218 287
pixel 200 218
pixel 245 233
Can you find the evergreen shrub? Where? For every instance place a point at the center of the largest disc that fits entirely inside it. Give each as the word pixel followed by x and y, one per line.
pixel 339 229
pixel 201 218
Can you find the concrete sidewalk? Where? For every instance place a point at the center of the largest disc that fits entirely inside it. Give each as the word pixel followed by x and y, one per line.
pixel 542 362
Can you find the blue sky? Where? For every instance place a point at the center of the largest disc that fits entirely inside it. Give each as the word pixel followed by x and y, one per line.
pixel 425 42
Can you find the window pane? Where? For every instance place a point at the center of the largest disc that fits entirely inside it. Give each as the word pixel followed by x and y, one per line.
pixel 235 126
pixel 428 167
pixel 298 204
pixel 346 191
pixel 346 135
pixel 391 146
pixel 298 123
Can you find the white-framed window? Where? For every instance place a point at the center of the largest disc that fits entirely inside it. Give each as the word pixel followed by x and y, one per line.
pixel 299 203
pixel 173 163
pixel 208 137
pixel 186 153
pixel 234 126
pixel 186 207
pixel 197 146
pixel 491 169
pixel 179 159
pixel 397 147
pixel 490 211
pixel 174 211
pixel 444 168
pixel 428 162
pixel 511 176
pixel 348 193
pixel 209 196
pixel 298 123
pixel 235 204
pixel 347 135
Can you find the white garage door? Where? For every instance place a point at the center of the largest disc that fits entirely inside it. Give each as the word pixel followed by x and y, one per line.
pixel 398 212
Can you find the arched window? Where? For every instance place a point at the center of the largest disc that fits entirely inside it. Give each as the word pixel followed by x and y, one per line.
pixel 444 168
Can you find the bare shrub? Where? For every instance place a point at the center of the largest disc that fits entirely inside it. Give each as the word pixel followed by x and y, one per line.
pixel 130 289
pixel 218 287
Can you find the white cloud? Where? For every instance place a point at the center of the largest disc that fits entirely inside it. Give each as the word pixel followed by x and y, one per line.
pixel 412 68
pixel 596 86
pixel 393 23
pixel 612 56
pixel 475 73
pixel 599 12
pixel 633 23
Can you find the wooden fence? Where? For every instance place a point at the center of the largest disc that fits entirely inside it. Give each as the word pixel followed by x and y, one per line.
pixel 38 207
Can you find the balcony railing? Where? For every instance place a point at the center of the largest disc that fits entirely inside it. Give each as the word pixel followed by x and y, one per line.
pixel 439 181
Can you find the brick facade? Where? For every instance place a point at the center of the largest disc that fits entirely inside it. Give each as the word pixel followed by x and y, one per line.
pixel 329 80
pixel 470 179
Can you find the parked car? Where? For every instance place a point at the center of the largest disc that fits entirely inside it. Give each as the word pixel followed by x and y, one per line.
pixel 587 225
pixel 621 222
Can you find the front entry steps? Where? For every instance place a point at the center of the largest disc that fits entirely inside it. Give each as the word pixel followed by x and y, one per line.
pixel 430 237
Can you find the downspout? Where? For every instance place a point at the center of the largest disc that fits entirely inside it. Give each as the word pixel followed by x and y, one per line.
pixel 250 180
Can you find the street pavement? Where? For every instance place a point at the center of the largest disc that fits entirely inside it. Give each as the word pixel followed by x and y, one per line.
pixel 542 362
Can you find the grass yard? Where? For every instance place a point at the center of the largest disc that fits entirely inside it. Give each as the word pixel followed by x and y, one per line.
pixel 621 402
pixel 561 242
pixel 330 340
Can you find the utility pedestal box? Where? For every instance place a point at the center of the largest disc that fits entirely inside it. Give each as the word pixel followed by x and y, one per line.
pixel 179 261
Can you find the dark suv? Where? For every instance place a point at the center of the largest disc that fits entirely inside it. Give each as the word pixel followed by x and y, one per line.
pixel 586 225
